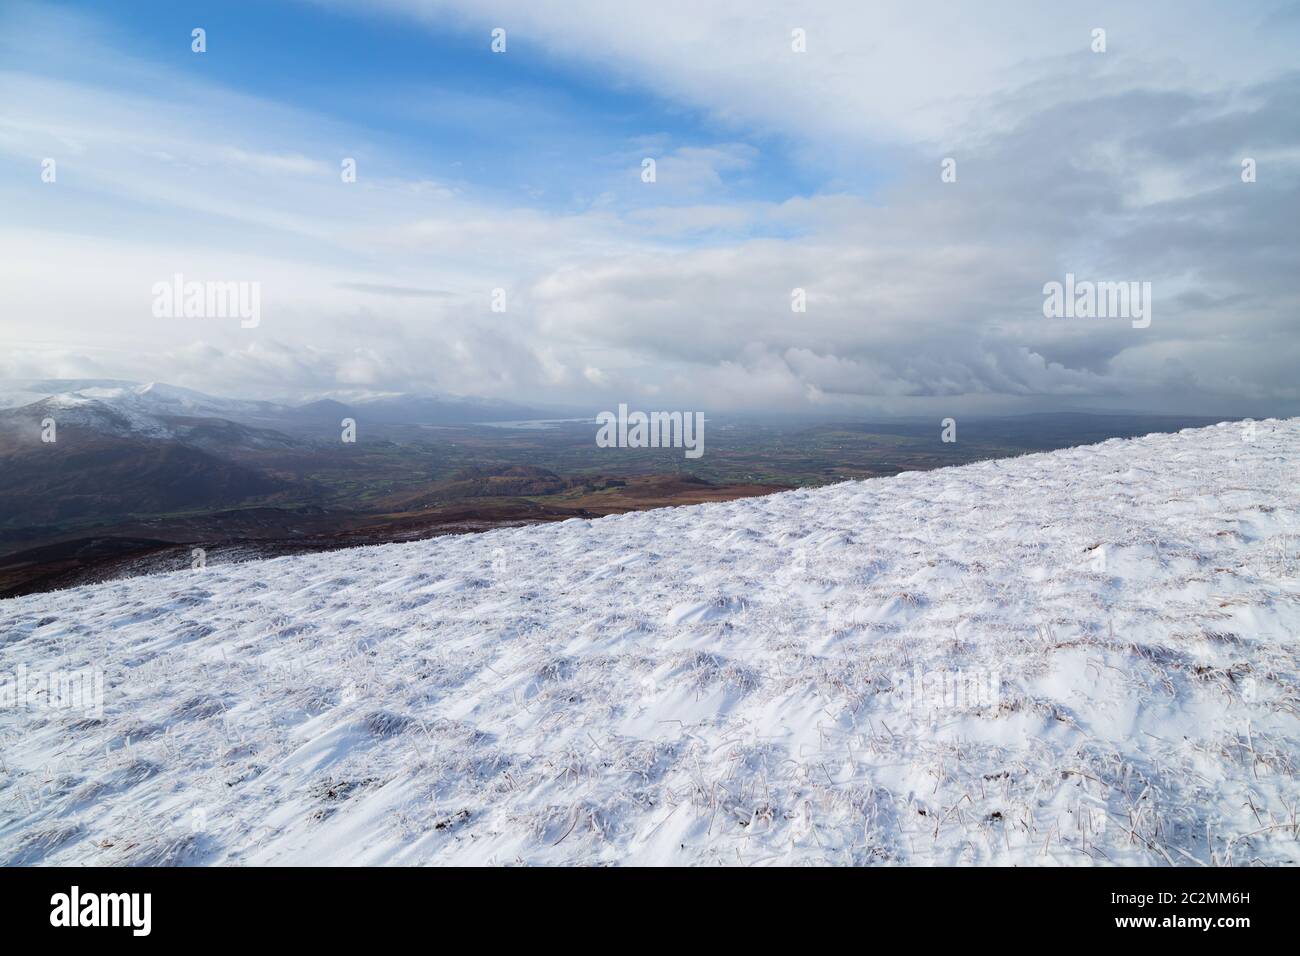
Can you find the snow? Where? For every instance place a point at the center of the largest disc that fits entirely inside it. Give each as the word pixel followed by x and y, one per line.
pixel 733 683
pixel 141 402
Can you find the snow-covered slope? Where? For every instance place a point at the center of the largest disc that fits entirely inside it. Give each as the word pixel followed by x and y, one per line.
pixel 147 399
pixel 727 683
pixel 123 410
pixel 145 403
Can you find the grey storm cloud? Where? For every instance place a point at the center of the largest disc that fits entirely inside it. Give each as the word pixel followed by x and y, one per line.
pixel 937 288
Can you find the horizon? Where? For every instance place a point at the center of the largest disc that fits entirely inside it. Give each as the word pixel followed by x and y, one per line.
pixel 9 400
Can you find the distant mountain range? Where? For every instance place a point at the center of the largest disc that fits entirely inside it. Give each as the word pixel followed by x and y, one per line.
pixel 128 448
pixel 146 406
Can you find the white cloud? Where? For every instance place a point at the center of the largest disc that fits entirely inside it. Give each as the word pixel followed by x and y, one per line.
pixel 890 69
pixel 920 296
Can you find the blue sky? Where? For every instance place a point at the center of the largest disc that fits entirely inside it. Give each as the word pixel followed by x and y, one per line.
pixel 778 170
pixel 517 127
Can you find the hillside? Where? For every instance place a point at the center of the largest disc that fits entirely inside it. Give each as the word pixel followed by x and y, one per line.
pixel 759 681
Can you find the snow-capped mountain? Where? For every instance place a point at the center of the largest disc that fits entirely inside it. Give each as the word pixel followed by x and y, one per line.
pixel 131 415
pixel 1079 657
pixel 150 398
pixel 148 402
pixel 150 411
pixel 88 414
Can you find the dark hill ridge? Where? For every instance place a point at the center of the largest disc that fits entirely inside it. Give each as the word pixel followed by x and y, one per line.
pixel 90 419
pixel 94 477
